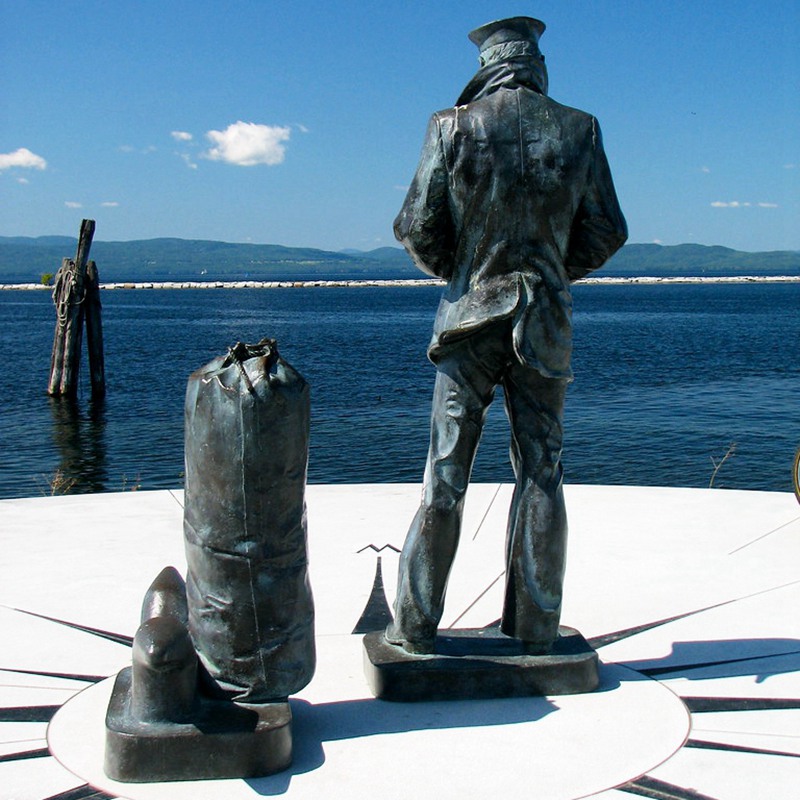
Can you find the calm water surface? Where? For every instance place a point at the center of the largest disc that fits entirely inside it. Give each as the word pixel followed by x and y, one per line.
pixel 667 378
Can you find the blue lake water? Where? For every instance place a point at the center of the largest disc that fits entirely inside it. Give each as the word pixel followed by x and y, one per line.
pixel 667 378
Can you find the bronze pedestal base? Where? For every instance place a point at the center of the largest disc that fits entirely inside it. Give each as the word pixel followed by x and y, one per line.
pixel 479 663
pixel 223 740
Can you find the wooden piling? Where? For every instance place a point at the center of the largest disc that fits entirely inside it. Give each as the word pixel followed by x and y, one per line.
pixel 94 331
pixel 57 356
pixel 76 297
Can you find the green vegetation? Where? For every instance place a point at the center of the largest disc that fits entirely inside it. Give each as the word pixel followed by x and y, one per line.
pixel 700 260
pixel 26 259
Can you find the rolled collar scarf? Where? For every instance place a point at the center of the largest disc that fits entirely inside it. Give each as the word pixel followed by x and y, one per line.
pixel 528 73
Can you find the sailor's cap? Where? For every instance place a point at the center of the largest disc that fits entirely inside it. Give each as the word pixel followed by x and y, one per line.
pixel 503 31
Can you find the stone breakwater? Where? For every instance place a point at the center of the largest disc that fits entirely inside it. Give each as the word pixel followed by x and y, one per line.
pixel 356 284
pixel 240 284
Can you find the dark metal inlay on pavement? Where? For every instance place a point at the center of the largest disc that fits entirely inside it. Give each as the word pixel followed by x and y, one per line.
pixel 706 705
pixel 25 755
pixel 118 638
pixel 377 614
pixel 28 713
pixel 84 792
pixel 661 790
pixel 700 744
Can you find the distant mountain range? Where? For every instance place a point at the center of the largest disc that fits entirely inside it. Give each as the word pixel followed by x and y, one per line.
pixel 24 259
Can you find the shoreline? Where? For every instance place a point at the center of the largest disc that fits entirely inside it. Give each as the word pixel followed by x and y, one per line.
pixel 357 284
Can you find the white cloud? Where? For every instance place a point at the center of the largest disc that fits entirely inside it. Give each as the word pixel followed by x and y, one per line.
pixel 73 204
pixel 126 148
pixel 741 204
pixel 110 204
pixel 302 128
pixel 247 144
pixel 23 180
pixel 789 166
pixel 705 169
pixel 181 136
pixel 657 241
pixel 22 158
pixel 187 159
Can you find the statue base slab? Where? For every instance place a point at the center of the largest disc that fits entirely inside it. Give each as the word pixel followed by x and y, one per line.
pixel 223 740
pixel 479 663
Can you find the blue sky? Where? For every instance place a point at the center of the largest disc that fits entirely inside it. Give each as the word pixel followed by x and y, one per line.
pixel 300 122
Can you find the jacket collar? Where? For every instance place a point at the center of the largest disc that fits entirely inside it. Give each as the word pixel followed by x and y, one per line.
pixel 517 73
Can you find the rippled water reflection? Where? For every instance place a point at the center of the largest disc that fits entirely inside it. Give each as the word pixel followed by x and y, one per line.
pixel 667 378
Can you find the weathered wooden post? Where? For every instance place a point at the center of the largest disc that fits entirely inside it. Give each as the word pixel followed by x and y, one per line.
pixel 94 331
pixel 77 298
